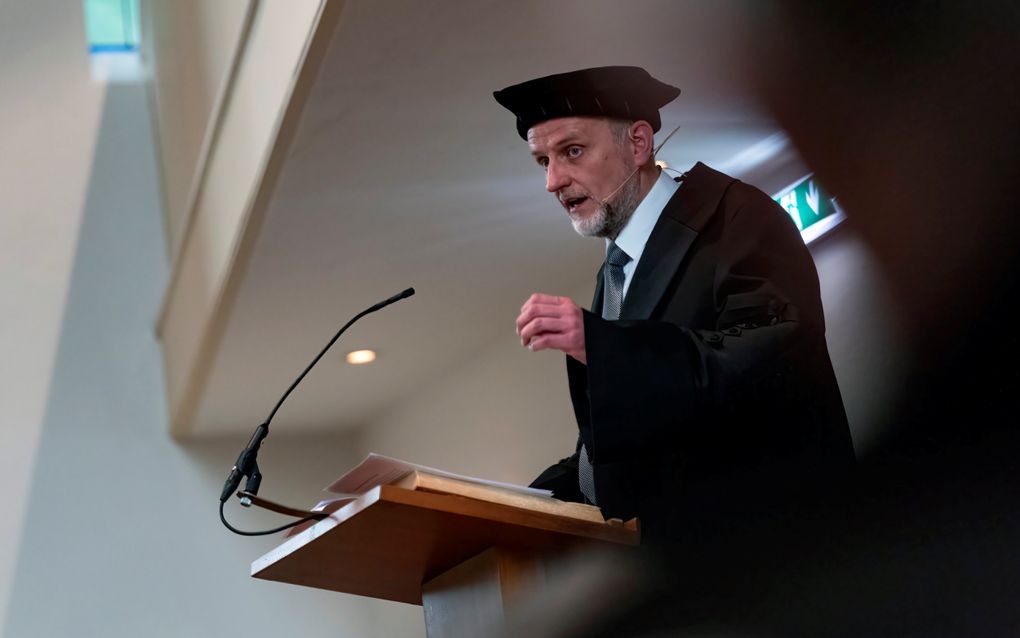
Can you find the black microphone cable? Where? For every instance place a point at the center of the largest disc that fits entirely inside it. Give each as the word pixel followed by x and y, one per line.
pixel 316 516
pixel 246 464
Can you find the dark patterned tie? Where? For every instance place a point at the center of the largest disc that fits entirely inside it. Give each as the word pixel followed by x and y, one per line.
pixel 612 301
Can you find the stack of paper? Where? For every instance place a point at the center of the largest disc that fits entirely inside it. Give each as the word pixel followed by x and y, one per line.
pixel 382 470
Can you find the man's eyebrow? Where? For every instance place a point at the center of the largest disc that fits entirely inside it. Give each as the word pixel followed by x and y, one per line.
pixel 570 139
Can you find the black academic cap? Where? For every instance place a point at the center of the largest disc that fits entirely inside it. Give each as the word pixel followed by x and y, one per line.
pixel 625 92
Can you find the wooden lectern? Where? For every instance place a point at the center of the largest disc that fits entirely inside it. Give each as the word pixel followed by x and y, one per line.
pixel 464 560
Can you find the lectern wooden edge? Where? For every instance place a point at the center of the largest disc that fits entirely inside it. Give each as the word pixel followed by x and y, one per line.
pixel 464 560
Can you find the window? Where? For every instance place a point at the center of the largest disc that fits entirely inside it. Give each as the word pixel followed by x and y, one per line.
pixel 111 25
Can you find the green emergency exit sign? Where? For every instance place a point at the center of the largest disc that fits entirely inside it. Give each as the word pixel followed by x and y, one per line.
pixel 813 210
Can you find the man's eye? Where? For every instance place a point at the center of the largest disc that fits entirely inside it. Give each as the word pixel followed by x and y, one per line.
pixel 543 162
pixel 574 151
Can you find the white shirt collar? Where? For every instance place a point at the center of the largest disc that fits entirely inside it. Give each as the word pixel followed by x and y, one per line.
pixel 635 234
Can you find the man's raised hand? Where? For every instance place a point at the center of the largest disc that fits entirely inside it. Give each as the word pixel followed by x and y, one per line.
pixel 549 322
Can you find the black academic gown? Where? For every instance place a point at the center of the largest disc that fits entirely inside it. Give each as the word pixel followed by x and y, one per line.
pixel 712 398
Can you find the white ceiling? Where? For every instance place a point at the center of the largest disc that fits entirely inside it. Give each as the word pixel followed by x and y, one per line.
pixel 405 172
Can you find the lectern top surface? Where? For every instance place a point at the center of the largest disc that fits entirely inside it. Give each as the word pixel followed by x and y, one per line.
pixel 390 540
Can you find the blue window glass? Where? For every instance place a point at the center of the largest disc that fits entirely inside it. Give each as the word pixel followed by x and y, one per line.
pixel 111 25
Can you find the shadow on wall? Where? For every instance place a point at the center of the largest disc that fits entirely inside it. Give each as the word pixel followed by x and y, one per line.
pixel 121 536
pixel 861 331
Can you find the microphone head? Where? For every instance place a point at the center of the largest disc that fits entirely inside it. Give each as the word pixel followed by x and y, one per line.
pixel 395 298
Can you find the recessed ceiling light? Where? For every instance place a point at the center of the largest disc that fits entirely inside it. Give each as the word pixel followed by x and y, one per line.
pixel 357 357
pixel 661 164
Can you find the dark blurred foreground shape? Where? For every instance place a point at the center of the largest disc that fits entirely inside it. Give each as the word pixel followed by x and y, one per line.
pixel 910 113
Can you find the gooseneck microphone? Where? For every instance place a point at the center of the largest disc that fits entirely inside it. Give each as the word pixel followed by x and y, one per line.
pixel 246 464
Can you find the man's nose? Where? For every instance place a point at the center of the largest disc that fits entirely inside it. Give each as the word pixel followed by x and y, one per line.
pixel 555 178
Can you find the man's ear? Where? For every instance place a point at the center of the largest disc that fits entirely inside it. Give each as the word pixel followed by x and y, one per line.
pixel 642 140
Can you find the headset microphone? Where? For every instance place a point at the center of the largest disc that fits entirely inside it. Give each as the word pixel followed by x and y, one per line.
pixel 655 152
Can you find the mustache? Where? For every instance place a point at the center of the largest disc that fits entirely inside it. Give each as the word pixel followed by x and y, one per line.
pixel 565 196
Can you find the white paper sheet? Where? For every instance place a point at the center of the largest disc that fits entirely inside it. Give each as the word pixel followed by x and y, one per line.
pixel 377 469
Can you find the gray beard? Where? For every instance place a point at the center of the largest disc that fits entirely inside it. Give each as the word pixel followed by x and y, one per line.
pixel 610 217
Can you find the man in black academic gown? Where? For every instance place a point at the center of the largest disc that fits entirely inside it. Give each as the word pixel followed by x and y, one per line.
pixel 700 378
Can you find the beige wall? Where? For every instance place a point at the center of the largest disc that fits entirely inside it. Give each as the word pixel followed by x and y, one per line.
pixel 505 414
pixel 109 526
pixel 189 46
pixel 231 190
pixel 48 119
pixel 120 535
